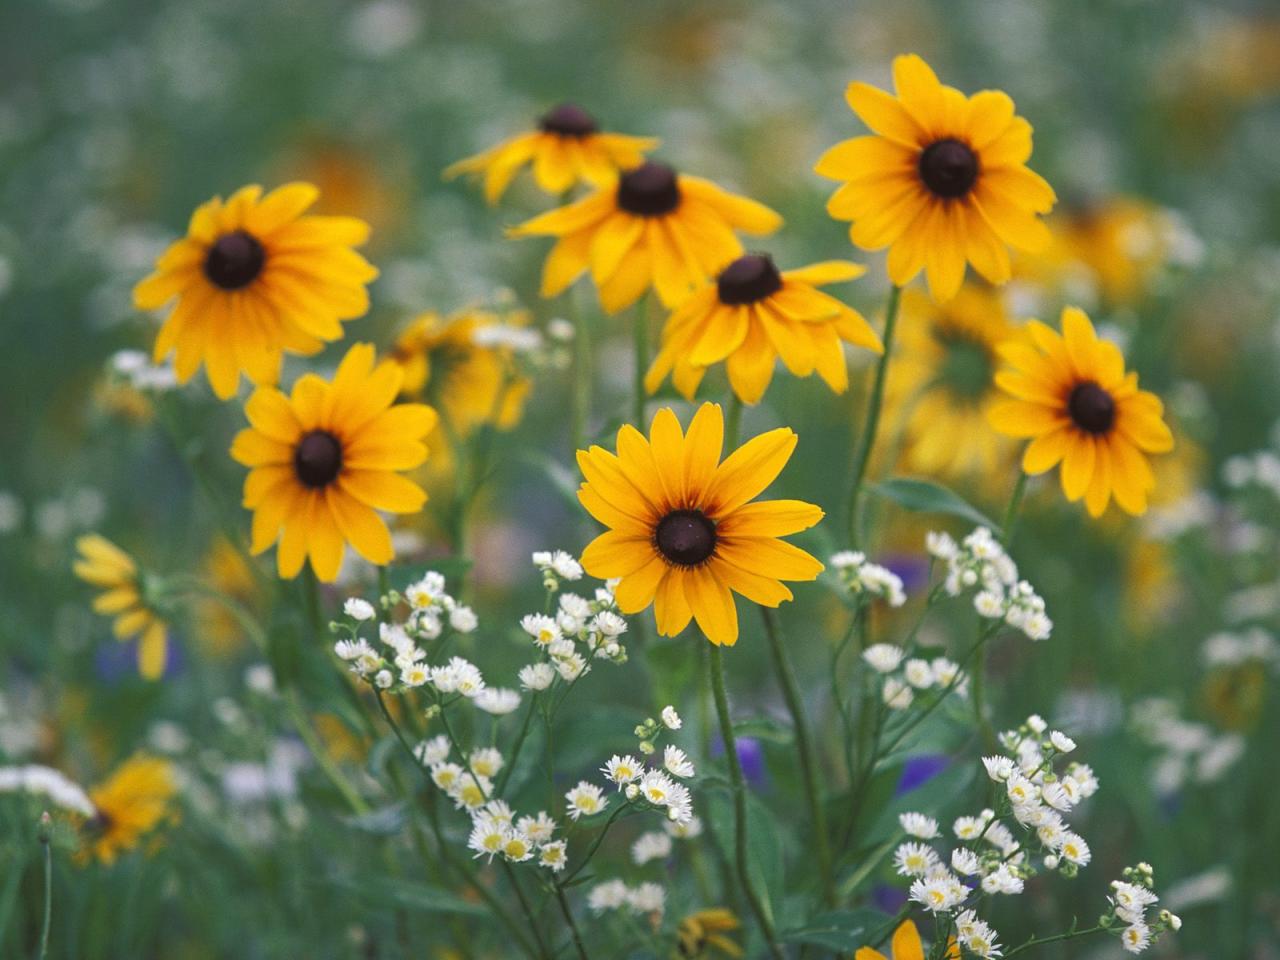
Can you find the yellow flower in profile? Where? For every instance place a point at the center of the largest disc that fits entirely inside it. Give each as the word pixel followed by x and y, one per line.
pixel 653 227
pixel 1079 407
pixel 942 181
pixel 566 149
pixel 906 945
pixel 702 934
pixel 462 364
pixel 325 459
pixel 682 535
pixel 751 315
pixel 942 382
pixel 103 564
pixel 254 278
pixel 131 803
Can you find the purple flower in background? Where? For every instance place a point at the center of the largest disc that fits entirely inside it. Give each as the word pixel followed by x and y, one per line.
pixel 115 662
pixel 911 567
pixel 919 770
pixel 887 898
pixel 750 755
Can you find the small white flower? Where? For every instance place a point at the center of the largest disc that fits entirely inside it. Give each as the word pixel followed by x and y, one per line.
pixel 647 898
pixel 622 770
pixel 1002 880
pixel 415 674
pixel 1054 793
pixel 965 862
pixel 433 751
pixel 936 894
pixel 897 695
pixel 945 672
pixel 486 838
pixel 607 896
pixel 968 828
pixel 358 609
pixel 1037 723
pixel 1022 792
pixel 352 649
pixel 940 545
pixel 572 667
pixel 516 847
pixel 539 829
pixel 918 673
pixel 1136 937
pixel 651 846
pixel 609 624
pixel 989 604
pixel 427 592
pixel 463 619
pixel 676 762
pixel 685 830
pixel 554 855
pixel 918 825
pixel 486 761
pixel 497 700
pixel 883 657
pixel 543 629
pixel 446 776
pixel 1075 850
pixel 585 800
pixel 914 859
pixel 537 676
pixel 999 768
pixel 384 679
pixel 670 719
pixel 1061 742
pixel 566 566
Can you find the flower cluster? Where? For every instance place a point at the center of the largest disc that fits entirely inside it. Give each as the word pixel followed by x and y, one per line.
pixel 556 565
pixel 980 561
pixel 1189 751
pixel 865 579
pixel 645 898
pixel 592 624
pixel 658 786
pixel 916 674
pixel 1130 898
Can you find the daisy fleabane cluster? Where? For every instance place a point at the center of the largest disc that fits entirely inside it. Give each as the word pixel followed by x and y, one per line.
pixel 496 831
pixel 645 898
pixel 556 566
pixel 905 676
pixel 1130 899
pixel 868 580
pixel 657 783
pixel 979 562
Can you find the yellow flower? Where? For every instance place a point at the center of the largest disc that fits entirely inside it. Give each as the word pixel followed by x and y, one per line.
pixel 702 933
pixel 943 382
pixel 131 803
pixel 751 315
pixel 653 227
pixel 254 278
pixel 906 945
pixel 103 564
pixel 566 149
pixel 1074 399
pixel 469 381
pixel 324 460
pixel 682 534
pixel 221 635
pixel 942 181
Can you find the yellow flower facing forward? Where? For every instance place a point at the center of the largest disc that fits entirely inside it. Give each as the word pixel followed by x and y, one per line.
pixel 1079 407
pixel 325 458
pixel 103 564
pixel 653 227
pixel 566 149
pixel 943 382
pixel 683 535
pixel 906 945
pixel 703 934
pixel 751 315
pixel 254 278
pixel 942 181
pixel 462 364
pixel 131 804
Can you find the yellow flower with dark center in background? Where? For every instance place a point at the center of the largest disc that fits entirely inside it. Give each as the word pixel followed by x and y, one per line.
pixel 703 934
pixel 942 181
pixel 751 315
pixel 682 534
pixel 254 278
pixel 1079 407
pixel 325 459
pixel 131 803
pixel 103 564
pixel 942 382
pixel 468 379
pixel 653 227
pixel 566 149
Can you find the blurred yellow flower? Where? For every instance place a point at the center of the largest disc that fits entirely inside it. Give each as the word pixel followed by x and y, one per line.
pixel 254 278
pixel 682 534
pixel 752 314
pixel 1078 406
pixel 942 181
pixel 131 803
pixel 324 460
pixel 566 149
pixel 942 382
pixel 702 934
pixel 103 564
pixel 906 945
pixel 221 635
pixel 653 227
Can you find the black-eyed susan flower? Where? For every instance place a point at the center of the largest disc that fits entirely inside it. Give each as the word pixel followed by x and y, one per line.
pixel 567 149
pixel 703 934
pixel 324 460
pixel 751 315
pixel 942 181
pixel 103 564
pixel 653 227
pixel 1075 402
pixel 682 534
pixel 942 382
pixel 255 278
pixel 130 804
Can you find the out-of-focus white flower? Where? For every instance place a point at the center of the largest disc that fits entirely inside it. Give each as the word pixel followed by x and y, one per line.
pixel 883 657
pixel 358 609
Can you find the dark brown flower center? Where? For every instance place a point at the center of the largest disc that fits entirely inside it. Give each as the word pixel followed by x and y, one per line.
pixel 234 260
pixel 686 537
pixel 317 459
pixel 568 120
pixel 948 168
pixel 649 190
pixel 748 279
pixel 1092 408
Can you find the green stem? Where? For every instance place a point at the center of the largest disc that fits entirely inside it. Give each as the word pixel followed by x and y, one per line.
pixel 640 334
pixel 733 423
pixel 568 918
pixel 325 762
pixel 530 919
pixel 44 833
pixel 808 766
pixel 739 806
pixel 582 383
pixel 595 844
pixel 311 600
pixel 1011 511
pixel 519 744
pixel 1036 941
pixel 871 424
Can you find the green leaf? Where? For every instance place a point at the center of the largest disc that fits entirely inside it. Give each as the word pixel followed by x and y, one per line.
pixel 764 728
pixel 925 496
pixel 850 884
pixel 764 842
pixel 838 930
